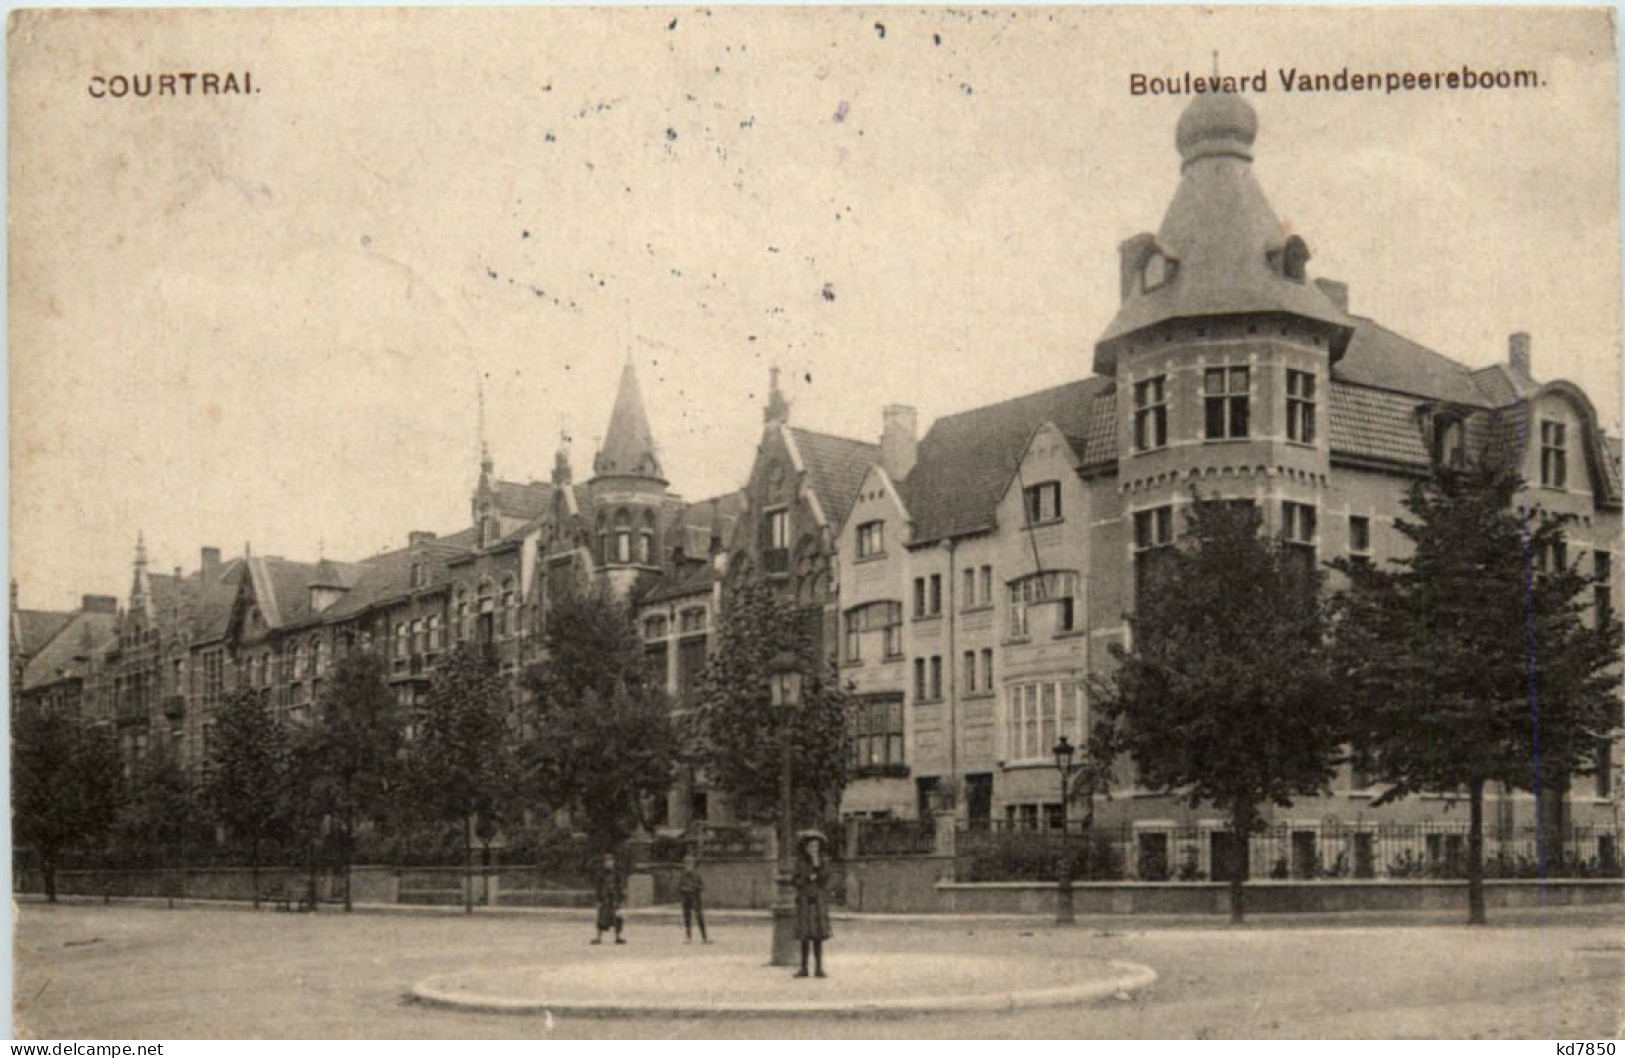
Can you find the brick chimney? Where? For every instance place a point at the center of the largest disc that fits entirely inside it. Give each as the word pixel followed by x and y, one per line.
pixel 1336 291
pixel 99 604
pixel 899 445
pixel 418 536
pixel 210 562
pixel 1518 354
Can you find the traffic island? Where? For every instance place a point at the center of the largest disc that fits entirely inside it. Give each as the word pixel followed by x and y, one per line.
pixel 624 985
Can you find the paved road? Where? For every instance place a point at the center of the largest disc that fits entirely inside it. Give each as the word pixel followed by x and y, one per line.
pixel 142 973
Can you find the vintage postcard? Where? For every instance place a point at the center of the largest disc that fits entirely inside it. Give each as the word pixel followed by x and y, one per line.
pixel 1053 522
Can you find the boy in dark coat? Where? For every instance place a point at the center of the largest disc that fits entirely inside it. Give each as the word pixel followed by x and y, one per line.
pixel 812 901
pixel 611 895
pixel 692 889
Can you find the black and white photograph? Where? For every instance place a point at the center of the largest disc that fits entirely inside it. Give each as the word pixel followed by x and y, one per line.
pixel 812 523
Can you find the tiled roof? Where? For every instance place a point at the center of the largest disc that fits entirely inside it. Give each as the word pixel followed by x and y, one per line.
pixel 966 460
pixel 629 446
pixel 35 628
pixel 214 598
pixel 694 578
pixel 1500 386
pixel 523 500
pixel 835 469
pixel 690 526
pixel 69 651
pixel 1376 424
pixel 1380 358
pixel 1220 232
pixel 387 577
pixel 1099 443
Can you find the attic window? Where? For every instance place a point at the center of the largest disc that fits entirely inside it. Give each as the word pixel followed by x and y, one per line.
pixel 1294 259
pixel 1158 270
pixel 1447 441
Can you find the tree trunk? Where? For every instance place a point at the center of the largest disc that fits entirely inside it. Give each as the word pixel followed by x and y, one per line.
pixel 349 856
pixel 1475 854
pixel 1241 830
pixel 50 881
pixel 254 868
pixel 312 857
pixel 468 858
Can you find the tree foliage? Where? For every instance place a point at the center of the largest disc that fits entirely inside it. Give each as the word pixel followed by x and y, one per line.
pixel 738 737
pixel 248 770
pixel 1223 698
pixel 461 760
pixel 355 748
pixel 65 784
pixel 1475 659
pixel 601 739
pixel 162 812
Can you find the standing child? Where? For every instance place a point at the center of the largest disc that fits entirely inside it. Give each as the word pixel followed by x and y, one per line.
pixel 611 895
pixel 692 889
pixel 812 901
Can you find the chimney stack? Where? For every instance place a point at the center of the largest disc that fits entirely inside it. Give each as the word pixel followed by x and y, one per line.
pixel 418 536
pixel 777 411
pixel 899 446
pixel 210 563
pixel 1518 354
pixel 1336 291
pixel 99 604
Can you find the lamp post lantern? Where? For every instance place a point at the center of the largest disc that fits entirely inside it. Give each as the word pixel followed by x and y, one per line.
pixel 784 696
pixel 1064 751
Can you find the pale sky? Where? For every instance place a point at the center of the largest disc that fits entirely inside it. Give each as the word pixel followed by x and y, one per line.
pixel 262 318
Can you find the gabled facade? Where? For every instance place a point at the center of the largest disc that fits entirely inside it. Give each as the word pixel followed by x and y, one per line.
pixel 1014 544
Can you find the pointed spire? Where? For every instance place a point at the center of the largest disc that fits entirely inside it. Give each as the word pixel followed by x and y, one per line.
pixel 629 448
pixel 777 411
pixel 486 466
pixel 561 460
pixel 140 550
pixel 141 589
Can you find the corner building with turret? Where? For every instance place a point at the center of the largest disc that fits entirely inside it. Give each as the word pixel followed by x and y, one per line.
pixel 983 580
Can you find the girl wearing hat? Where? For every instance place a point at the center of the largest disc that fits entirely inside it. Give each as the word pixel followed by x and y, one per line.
pixel 611 895
pixel 812 900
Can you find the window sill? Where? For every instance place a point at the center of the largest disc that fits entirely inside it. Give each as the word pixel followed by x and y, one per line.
pixel 979 696
pixel 1028 765
pixel 928 701
pixel 891 658
pixel 928 617
pixel 1015 641
pixel 880 771
pixel 979 608
pixel 1310 445
pixel 852 663
pixel 1076 633
pixel 1151 451
pixel 861 559
pixel 1043 523
pixel 1225 440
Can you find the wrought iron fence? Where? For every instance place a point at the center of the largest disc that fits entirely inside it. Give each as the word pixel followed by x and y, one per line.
pixel 895 837
pixel 1001 852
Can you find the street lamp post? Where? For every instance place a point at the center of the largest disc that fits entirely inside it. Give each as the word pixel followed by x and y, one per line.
pixel 784 694
pixel 1063 751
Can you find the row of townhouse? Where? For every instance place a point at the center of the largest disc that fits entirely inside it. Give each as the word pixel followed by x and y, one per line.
pixel 967 582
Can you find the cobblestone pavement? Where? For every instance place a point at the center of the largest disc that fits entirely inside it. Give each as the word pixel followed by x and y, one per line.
pixel 147 973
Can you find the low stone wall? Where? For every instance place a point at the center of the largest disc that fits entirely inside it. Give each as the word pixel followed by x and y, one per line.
pixel 897 884
pixel 738 883
pixel 1269 897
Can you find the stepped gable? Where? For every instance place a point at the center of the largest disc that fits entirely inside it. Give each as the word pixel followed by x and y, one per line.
pixel 835 468
pixel 966 459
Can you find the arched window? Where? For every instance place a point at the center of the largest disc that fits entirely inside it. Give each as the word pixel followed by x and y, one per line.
pixel 460 625
pixel 605 551
pixel 318 653
pixel 401 633
pixel 298 660
pixel 623 537
pixel 508 617
pixel 434 633
pixel 1060 587
pixel 646 540
pixel 417 635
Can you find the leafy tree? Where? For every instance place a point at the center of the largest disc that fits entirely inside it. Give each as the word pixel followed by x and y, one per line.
pixel 1474 660
pixel 161 811
pixel 601 735
pixel 354 751
pixel 1223 697
pixel 247 772
pixel 738 737
pixel 65 785
pixel 462 762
